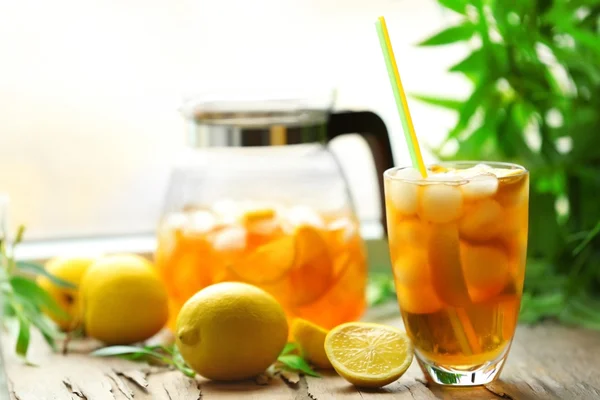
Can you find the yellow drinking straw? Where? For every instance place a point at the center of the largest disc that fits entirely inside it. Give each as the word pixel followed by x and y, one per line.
pixel 463 329
pixel 400 96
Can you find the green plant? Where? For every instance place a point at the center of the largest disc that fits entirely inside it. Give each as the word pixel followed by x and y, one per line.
pixel 534 66
pixel 25 301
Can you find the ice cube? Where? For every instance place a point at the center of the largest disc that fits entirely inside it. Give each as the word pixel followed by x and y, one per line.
pixel 303 215
pixel 228 211
pixel 411 268
pixel 483 168
pixel 409 174
pixel 175 221
pixel 441 203
pixel 346 226
pixel 230 239
pixel 418 300
pixel 201 222
pixel 483 221
pixel 409 232
pixel 486 270
pixel 479 186
pixel 167 232
pixel 404 194
pixel 450 176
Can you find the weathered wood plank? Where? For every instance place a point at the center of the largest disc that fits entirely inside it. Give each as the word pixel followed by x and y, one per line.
pixel 333 387
pixel 553 362
pixel 546 362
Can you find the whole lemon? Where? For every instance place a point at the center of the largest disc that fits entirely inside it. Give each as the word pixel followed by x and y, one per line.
pixel 123 300
pixel 231 331
pixel 69 269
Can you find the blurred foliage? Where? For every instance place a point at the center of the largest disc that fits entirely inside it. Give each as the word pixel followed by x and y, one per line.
pixel 534 66
pixel 23 300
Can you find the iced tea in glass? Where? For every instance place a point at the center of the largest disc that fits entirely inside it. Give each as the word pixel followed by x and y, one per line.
pixel 314 263
pixel 458 243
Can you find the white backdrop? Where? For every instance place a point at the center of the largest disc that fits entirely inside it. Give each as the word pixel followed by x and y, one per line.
pixel 89 91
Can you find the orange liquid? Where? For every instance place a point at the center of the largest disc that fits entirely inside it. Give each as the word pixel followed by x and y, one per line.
pixel 459 279
pixel 317 272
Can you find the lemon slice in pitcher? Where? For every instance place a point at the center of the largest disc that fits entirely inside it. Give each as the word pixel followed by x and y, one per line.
pixel 367 354
pixel 268 263
pixel 312 274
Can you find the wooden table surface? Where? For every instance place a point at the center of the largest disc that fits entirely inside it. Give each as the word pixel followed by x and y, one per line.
pixel 546 361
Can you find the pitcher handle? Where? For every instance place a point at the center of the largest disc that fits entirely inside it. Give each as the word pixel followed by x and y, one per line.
pixel 372 128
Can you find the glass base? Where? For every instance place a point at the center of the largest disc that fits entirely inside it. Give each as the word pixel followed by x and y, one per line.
pixel 462 376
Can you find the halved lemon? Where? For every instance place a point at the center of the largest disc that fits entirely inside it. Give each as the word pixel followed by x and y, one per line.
pixel 310 338
pixel 368 354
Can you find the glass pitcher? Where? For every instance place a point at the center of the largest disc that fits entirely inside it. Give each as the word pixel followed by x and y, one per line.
pixel 258 197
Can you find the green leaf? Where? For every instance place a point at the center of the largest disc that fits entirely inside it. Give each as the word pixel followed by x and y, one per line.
pixel 135 353
pixel 544 230
pixel 5 287
pixel 23 337
pixel 473 63
pixel 160 348
pixel 472 147
pixel 582 310
pixel 522 114
pixel 448 378
pixel 585 306
pixel 469 107
pixel 297 363
pixel 585 39
pixel 112 351
pixel 28 289
pixel 289 348
pixel 450 104
pixel 9 310
pixel 458 6
pixel 19 235
pixel 534 308
pixel 578 320
pixel 540 277
pixel 131 352
pixel 40 270
pixel 187 371
pixel 380 289
pixel 450 35
pixel 48 330
pixel 591 235
pixel 180 364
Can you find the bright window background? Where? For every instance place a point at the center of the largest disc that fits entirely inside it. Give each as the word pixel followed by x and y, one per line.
pixel 90 90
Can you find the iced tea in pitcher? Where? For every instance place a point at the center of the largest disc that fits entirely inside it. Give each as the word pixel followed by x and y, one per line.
pixel 313 263
pixel 458 241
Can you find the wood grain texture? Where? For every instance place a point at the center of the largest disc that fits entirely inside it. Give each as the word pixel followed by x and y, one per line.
pixel 546 362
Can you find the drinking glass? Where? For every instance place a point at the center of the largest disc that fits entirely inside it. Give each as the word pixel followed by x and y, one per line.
pixel 458 243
